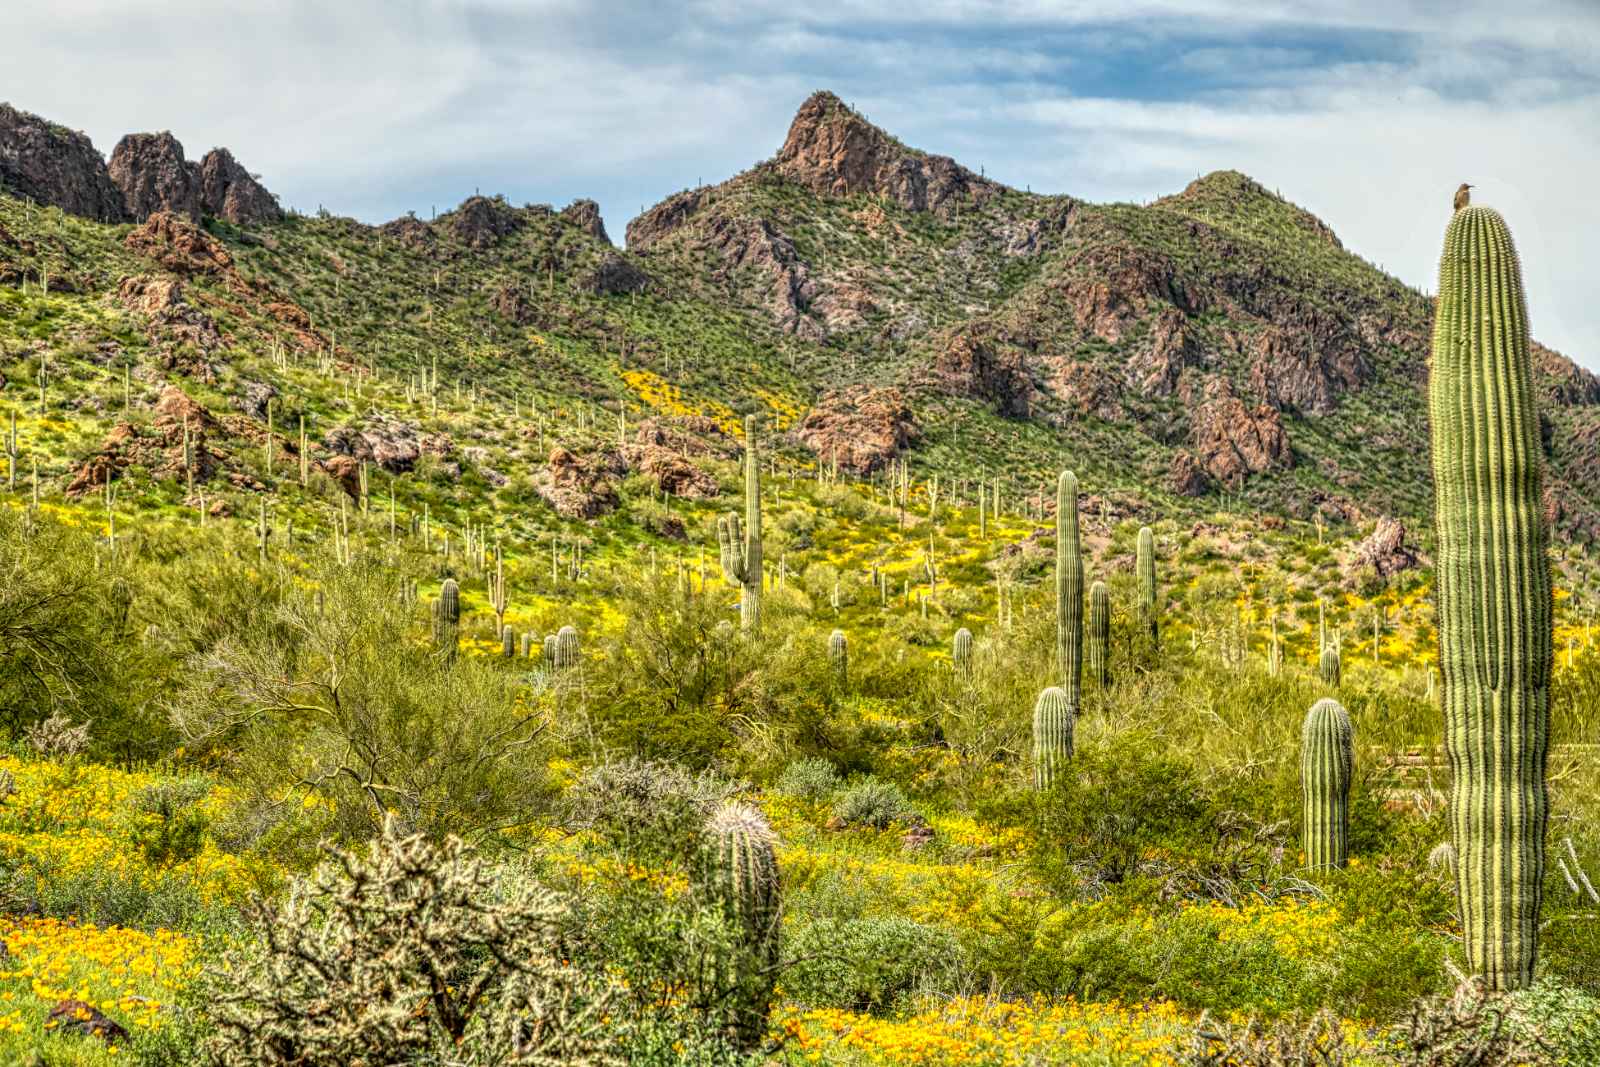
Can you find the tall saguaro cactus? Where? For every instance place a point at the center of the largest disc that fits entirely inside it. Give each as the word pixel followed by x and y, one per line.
pixel 741 546
pixel 740 876
pixel 1069 589
pixel 1494 597
pixel 839 656
pixel 1097 641
pixel 1145 567
pixel 447 616
pixel 1327 760
pixel 1054 717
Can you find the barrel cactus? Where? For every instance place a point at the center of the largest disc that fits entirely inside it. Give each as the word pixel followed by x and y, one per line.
pixel 566 648
pixel 961 651
pixel 1494 595
pixel 1145 567
pixel 1329 666
pixel 1054 716
pixel 739 875
pixel 1069 589
pixel 1327 757
pixel 1097 641
pixel 740 546
pixel 839 655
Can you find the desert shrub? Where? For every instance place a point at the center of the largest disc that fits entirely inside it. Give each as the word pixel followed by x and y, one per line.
pixel 644 809
pixel 406 952
pixel 871 802
pixel 875 963
pixel 170 828
pixel 812 780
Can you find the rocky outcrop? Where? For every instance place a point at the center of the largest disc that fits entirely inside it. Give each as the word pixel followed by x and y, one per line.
pixel 843 306
pixel 388 442
pixel 229 192
pixel 672 473
pixel 148 294
pixel 576 487
pixel 663 219
pixel 49 164
pixel 614 275
pixel 756 247
pixel 1170 347
pixel 510 302
pixel 861 428
pixel 1233 439
pixel 183 336
pixel 178 245
pixel 411 232
pixel 1385 549
pixel 1307 370
pixel 1562 381
pixel 481 221
pixel 1186 476
pixel 585 214
pixel 1088 389
pixel 150 170
pixel 982 361
pixel 832 150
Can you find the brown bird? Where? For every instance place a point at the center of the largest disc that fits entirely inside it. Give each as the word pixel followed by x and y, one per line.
pixel 1463 198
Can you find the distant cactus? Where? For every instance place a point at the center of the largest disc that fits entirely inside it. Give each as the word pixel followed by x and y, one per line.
pixel 566 648
pixel 1443 859
pixel 447 616
pixel 508 643
pixel 1494 595
pixel 550 650
pixel 527 646
pixel 1327 755
pixel 961 651
pixel 1054 716
pixel 739 875
pixel 1329 667
pixel 1145 566
pixel 1069 590
pixel 1097 640
pixel 741 546
pixel 839 656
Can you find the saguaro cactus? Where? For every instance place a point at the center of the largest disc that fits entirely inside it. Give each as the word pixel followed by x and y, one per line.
pixel 839 656
pixel 1329 665
pixel 739 875
pixel 447 615
pixel 1069 589
pixel 550 650
pixel 1327 756
pixel 741 546
pixel 566 648
pixel 1097 641
pixel 1494 597
pixel 1145 566
pixel 961 651
pixel 1054 717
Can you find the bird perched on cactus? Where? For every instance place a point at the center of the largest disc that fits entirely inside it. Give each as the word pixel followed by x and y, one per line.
pixel 1494 594
pixel 739 877
pixel 1463 196
pixel 740 547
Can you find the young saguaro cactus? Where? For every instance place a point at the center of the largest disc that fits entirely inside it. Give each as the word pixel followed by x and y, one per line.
pixel 1054 717
pixel 1145 567
pixel 447 616
pixel 740 877
pixel 1494 595
pixel 961 651
pixel 839 655
pixel 1097 641
pixel 1069 589
pixel 566 648
pixel 741 546
pixel 1327 758
pixel 1330 666
pixel 550 650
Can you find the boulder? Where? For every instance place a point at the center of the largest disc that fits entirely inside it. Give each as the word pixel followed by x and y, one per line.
pixel 1186 476
pixel 861 428
pixel 980 360
pixel 380 439
pixel 481 221
pixel 1385 549
pixel 575 487
pixel 615 275
pixel 80 1017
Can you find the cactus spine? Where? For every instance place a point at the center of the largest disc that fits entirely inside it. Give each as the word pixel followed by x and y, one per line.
pixel 741 547
pixel 839 656
pixel 1069 589
pixel 1097 642
pixel 1327 755
pixel 1494 596
pixel 1145 565
pixel 1328 666
pixel 1054 716
pixel 961 651
pixel 740 877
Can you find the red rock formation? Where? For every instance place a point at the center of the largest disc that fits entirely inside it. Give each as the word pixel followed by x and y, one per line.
pixel 1233 439
pixel 178 245
pixel 1385 549
pixel 860 428
pixel 757 247
pixel 480 221
pixel 980 360
pixel 228 191
pixel 1187 477
pixel 49 164
pixel 576 488
pixel 585 214
pixel 150 170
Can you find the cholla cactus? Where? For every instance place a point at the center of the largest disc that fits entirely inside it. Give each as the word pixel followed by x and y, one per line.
pixel 961 651
pixel 1327 757
pixel 57 738
pixel 740 876
pixel 741 546
pixel 839 656
pixel 344 969
pixel 566 648
pixel 1054 717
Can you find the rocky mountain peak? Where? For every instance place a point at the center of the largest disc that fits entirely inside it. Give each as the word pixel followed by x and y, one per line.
pixel 50 164
pixel 1230 194
pixel 228 191
pixel 833 150
pixel 150 170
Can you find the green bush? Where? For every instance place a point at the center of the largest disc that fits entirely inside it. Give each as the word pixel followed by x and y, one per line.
pixel 869 964
pixel 812 780
pixel 871 802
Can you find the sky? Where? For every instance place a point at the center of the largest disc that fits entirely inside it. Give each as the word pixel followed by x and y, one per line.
pixel 1366 112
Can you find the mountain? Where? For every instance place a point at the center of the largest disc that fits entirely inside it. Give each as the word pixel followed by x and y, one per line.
pixel 867 299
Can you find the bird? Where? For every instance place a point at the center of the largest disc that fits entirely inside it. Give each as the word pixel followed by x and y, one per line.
pixel 1463 198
